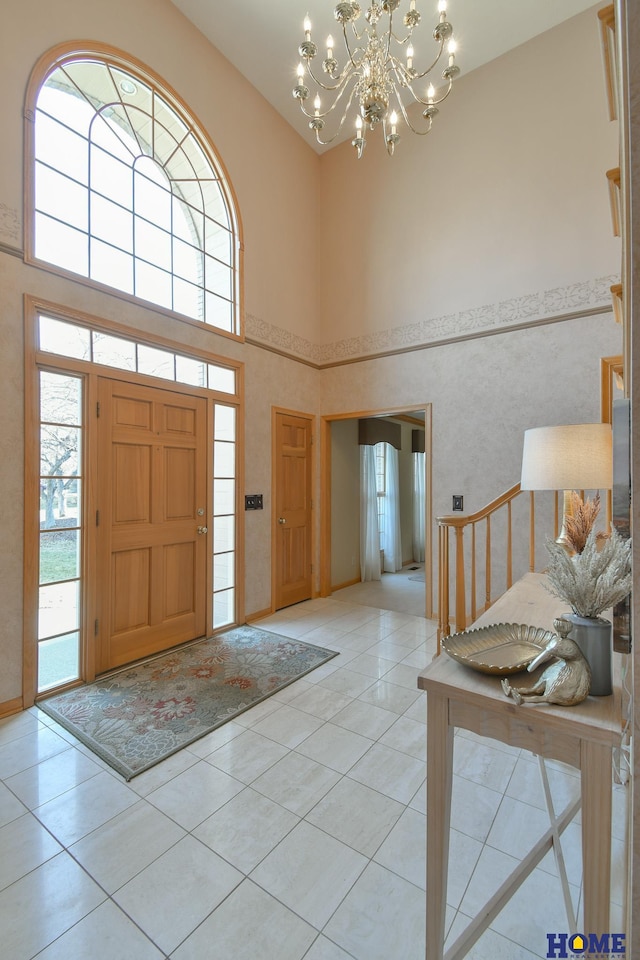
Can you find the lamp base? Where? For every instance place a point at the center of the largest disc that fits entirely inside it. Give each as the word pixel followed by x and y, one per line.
pixel 567 511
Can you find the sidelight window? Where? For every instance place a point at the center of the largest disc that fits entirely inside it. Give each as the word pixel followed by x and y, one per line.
pixel 60 543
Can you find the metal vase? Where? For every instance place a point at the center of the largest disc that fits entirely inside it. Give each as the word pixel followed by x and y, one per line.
pixel 593 637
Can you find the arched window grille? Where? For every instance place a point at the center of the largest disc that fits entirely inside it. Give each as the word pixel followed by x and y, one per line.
pixel 127 191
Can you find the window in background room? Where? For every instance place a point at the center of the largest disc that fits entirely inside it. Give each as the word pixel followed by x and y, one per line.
pixel 128 193
pixel 381 488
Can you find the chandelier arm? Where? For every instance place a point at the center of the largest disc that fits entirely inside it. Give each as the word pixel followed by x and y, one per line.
pixel 420 76
pixel 342 119
pixel 346 43
pixel 341 80
pixel 400 71
pixel 405 115
pixel 403 42
pixel 357 35
pixel 389 35
pixel 433 102
pixel 335 103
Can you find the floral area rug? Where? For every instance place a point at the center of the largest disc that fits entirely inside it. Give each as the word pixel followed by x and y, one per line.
pixel 137 717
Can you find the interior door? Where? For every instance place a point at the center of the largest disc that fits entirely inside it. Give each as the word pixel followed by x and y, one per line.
pixel 292 519
pixel 151 521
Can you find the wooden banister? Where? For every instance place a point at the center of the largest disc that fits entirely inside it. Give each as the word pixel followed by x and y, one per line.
pixel 459 524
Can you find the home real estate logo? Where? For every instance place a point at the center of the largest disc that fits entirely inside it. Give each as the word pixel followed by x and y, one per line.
pixel 592 945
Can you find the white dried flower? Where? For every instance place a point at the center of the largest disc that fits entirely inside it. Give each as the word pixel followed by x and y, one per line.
pixel 594 580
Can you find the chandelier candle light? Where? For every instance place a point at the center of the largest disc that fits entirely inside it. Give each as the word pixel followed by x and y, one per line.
pixel 379 75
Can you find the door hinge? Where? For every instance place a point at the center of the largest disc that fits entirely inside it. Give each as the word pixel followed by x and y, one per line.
pixel 98 409
pixel 97 518
pixel 95 628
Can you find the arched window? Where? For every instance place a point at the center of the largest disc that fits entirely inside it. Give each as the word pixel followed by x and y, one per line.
pixel 127 190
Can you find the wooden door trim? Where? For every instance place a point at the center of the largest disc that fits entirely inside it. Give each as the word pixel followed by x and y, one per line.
pixel 325 493
pixel 285 411
pixel 35 361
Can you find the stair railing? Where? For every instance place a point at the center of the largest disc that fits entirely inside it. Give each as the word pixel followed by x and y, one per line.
pixel 459 525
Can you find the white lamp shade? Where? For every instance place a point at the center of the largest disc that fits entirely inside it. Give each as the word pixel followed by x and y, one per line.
pixel 573 457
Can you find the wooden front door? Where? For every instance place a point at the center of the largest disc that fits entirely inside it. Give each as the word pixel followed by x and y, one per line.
pixel 292 520
pixel 151 523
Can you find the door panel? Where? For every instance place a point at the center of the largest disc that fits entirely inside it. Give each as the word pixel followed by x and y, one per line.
pixel 292 527
pixel 131 483
pixel 152 481
pixel 130 590
pixel 179 491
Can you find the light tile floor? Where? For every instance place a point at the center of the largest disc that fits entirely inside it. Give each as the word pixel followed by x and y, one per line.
pixel 295 831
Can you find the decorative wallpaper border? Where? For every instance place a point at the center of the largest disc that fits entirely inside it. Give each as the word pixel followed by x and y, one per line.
pixel 518 311
pixel 9 223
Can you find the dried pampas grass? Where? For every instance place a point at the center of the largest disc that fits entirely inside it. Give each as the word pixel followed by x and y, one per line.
pixel 593 580
pixel 580 524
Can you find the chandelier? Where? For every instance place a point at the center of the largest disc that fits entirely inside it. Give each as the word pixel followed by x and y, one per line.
pixel 379 77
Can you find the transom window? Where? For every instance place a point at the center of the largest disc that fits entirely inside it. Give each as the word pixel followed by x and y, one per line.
pixel 128 193
pixel 79 342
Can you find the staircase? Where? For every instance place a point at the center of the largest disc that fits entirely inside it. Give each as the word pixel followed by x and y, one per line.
pixel 482 563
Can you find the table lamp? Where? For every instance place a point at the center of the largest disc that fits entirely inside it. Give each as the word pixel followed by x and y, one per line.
pixel 570 457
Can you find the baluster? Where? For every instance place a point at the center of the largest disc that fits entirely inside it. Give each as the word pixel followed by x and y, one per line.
pixel 444 585
pixel 487 572
pixel 473 572
pixel 444 628
pixel 509 548
pixel 461 600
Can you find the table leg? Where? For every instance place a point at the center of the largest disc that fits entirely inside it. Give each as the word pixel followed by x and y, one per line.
pixel 595 770
pixel 439 780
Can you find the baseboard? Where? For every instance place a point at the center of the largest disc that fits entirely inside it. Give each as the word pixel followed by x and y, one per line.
pixel 258 615
pixel 9 707
pixel 341 586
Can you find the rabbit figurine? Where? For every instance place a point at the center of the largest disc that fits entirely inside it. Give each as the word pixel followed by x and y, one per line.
pixel 566 681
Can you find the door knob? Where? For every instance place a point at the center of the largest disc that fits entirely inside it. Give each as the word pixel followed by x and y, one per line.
pixel 281 520
pixel 202 529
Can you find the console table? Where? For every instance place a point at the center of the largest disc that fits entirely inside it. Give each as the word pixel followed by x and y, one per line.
pixel 583 736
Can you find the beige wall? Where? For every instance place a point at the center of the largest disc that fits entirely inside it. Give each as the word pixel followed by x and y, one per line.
pixel 484 394
pixel 505 198
pixel 345 502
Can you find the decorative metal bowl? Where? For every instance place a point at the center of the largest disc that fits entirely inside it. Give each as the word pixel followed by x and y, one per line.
pixel 499 649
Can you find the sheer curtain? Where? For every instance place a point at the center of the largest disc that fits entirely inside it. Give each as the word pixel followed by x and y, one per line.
pixel 369 537
pixel 391 542
pixel 418 507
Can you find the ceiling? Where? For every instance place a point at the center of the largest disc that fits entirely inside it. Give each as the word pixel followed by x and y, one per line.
pixel 261 39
